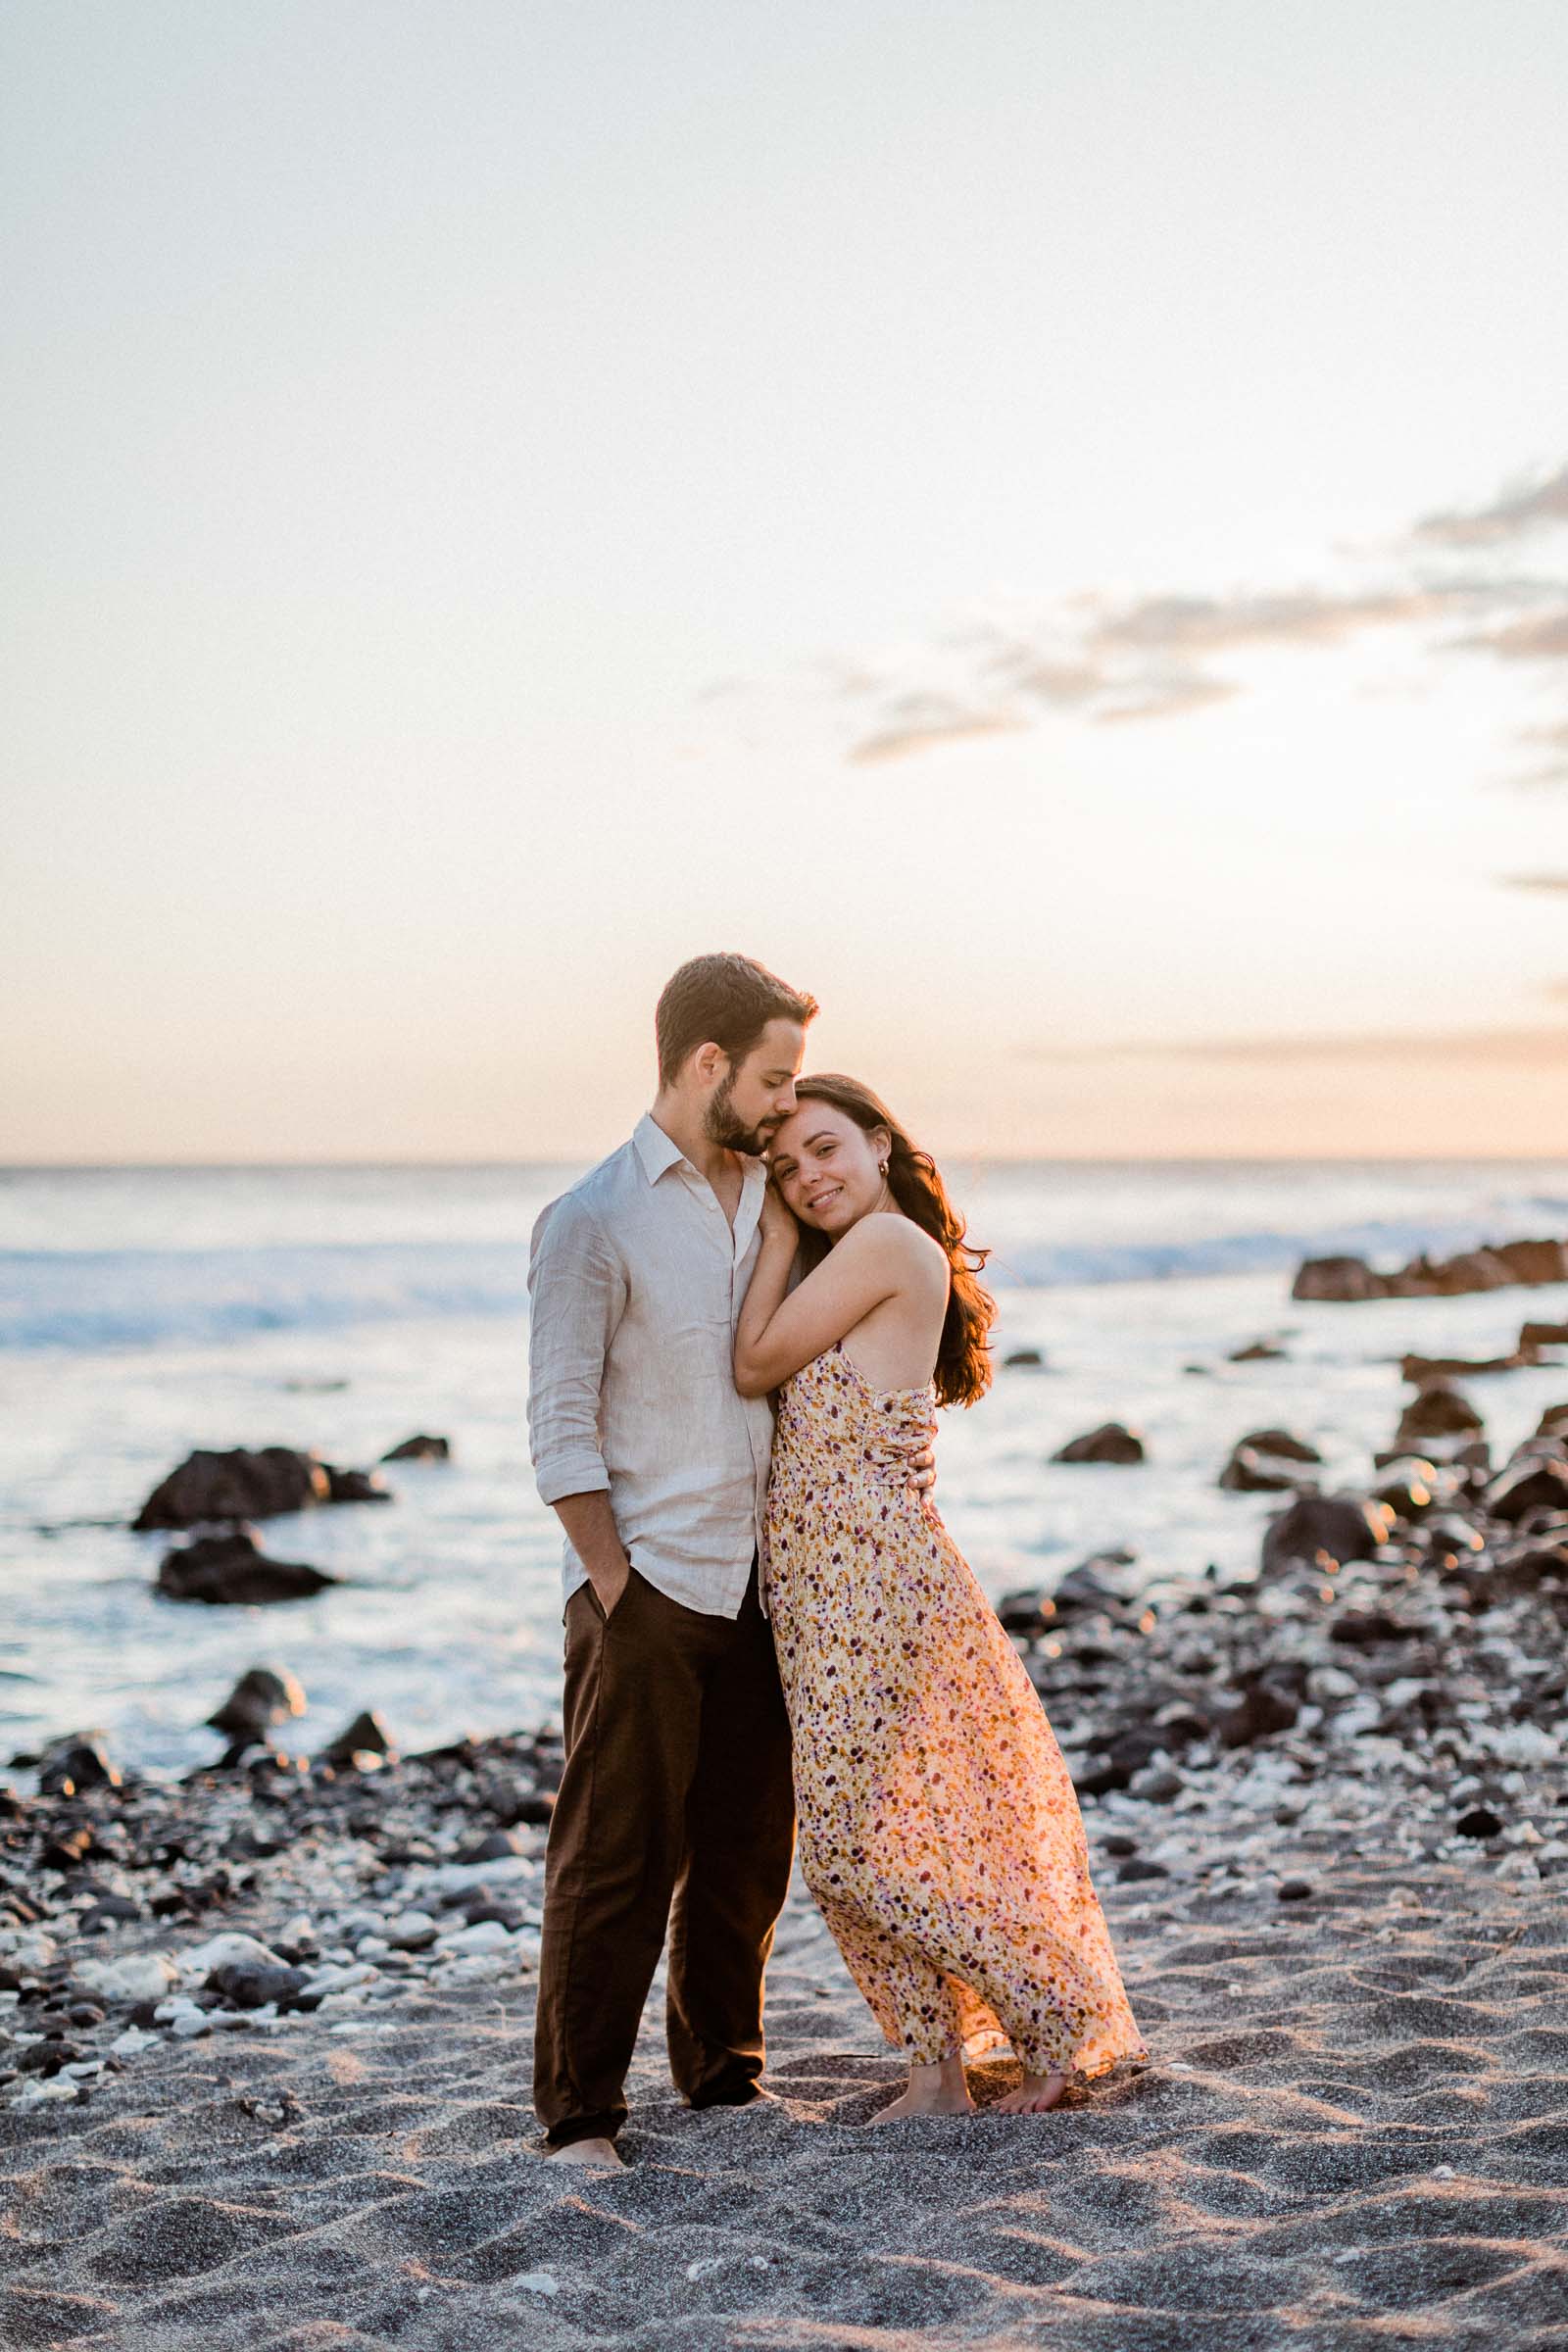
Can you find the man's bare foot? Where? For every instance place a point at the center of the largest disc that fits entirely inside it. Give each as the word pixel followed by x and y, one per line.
pixel 598 2155
pixel 939 2090
pixel 1035 2094
pixel 757 2095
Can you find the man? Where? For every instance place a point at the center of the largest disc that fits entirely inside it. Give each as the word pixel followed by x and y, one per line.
pixel 675 1807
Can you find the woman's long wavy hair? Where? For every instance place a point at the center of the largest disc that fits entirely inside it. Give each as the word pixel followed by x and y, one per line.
pixel 963 1358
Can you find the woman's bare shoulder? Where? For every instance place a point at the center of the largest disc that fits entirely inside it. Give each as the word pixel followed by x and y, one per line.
pixel 897 1241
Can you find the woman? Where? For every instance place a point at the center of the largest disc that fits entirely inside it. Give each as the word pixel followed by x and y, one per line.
pixel 939 1830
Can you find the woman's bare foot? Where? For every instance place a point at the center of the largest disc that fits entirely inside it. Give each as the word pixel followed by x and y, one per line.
pixel 1033 2096
pixel 939 2090
pixel 599 2155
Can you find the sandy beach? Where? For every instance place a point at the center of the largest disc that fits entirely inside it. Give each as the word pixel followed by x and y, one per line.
pixel 1353 2128
pixel 1354 2132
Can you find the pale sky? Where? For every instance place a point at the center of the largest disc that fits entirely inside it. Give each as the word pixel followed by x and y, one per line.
pixel 1047 523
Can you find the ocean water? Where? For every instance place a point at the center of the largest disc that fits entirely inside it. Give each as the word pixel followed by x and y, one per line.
pixel 147 1311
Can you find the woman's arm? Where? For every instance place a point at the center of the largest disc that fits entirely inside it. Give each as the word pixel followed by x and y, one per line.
pixel 777 1332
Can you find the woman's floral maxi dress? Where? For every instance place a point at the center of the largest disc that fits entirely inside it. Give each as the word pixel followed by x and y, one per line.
pixel 939 1833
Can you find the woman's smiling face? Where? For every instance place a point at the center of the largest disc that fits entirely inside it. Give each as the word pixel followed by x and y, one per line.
pixel 827 1167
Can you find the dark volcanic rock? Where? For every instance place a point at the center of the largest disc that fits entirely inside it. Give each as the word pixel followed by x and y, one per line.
pixel 1542 1335
pixel 1471 1271
pixel 1361 1628
pixel 252 1985
pixel 1447 1539
pixel 1534 1262
pixel 1110 1442
pixel 1281 1444
pixel 367 1735
pixel 1258 1463
pixel 1268 1706
pixel 355 1486
pixel 1256 1351
pixel 1024 1358
pixel 1085 1587
pixel 1439 1412
pixel 1511 1262
pixel 239 1485
pixel 1027 1613
pixel 1248 1472
pixel 1424 1371
pixel 80 1760
pixel 259 1700
pixel 1479 1822
pixel 420 1449
pixel 1333 1527
pixel 1534 1482
pixel 1415 1486
pixel 1337 1278
pixel 232 1570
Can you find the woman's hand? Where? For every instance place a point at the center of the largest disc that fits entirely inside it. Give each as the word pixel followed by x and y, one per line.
pixel 778 1224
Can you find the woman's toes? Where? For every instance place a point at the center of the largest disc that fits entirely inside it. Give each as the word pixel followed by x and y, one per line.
pixel 1035 2095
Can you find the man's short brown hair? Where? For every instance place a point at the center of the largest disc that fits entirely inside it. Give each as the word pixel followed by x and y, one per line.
pixel 725 1000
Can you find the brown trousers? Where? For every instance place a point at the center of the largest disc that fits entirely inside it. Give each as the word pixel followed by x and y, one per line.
pixel 676 1811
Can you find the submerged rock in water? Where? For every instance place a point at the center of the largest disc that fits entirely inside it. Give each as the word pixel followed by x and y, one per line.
pixel 356 1486
pixel 420 1449
pixel 1438 1412
pixel 1111 1442
pixel 1261 1462
pixel 237 1485
pixel 243 1485
pixel 233 1571
pixel 1280 1443
pixel 1248 1472
pixel 1528 1263
pixel 1534 1262
pixel 1337 1278
pixel 1424 1371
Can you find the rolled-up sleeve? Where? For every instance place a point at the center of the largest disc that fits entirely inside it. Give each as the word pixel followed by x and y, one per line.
pixel 577 1290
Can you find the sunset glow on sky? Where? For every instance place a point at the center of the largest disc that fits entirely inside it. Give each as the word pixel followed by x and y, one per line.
pixel 1047 524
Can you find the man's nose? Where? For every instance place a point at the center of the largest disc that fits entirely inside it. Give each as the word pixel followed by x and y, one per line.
pixel 786 1097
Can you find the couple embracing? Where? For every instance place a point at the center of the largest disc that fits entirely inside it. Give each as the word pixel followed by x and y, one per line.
pixel 764 1614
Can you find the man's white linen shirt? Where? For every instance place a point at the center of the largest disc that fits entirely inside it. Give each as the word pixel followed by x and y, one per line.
pixel 636 1280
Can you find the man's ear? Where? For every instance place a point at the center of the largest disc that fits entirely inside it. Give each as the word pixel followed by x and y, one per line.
pixel 707 1062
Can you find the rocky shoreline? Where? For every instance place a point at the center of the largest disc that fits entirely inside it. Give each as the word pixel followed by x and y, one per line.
pixel 265 2030
pixel 1397 1666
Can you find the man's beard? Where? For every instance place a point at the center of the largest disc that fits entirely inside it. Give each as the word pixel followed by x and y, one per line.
pixel 722 1127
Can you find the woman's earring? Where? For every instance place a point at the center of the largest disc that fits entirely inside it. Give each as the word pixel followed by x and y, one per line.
pixel 881 1167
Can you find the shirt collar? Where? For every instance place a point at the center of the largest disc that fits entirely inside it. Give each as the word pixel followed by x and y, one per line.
pixel 656 1151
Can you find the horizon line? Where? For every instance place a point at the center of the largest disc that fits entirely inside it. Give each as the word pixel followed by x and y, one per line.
pixel 997 1159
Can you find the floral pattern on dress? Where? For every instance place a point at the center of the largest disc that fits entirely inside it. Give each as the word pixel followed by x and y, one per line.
pixel 940 1834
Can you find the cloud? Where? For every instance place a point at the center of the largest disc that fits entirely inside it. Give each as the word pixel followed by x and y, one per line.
pixel 926 734
pixel 1516 513
pixel 1524 1048
pixel 1106 660
pixel 1165 697
pixel 1542 638
pixel 1550 882
pixel 1300 617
